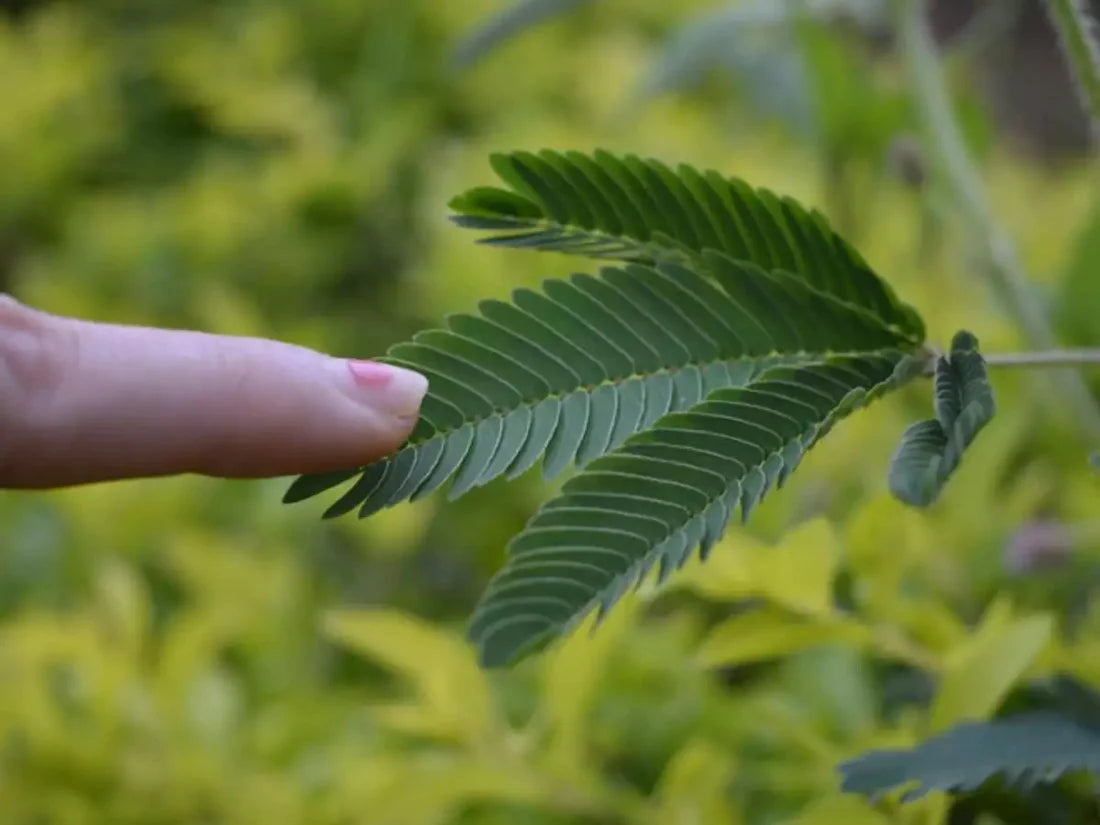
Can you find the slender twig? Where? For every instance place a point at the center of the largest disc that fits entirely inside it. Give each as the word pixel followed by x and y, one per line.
pixel 1047 358
pixel 954 164
pixel 1085 357
pixel 1079 41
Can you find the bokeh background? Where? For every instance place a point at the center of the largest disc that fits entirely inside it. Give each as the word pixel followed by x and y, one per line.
pixel 192 651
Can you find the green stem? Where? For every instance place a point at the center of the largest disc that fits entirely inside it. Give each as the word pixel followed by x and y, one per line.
pixel 1078 37
pixel 954 164
pixel 1047 358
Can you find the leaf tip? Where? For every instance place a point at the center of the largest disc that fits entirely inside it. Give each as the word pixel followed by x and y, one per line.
pixel 964 341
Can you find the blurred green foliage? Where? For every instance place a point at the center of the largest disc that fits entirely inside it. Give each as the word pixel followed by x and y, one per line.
pixel 189 650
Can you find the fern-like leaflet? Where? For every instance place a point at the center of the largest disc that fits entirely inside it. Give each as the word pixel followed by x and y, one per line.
pixel 1058 735
pixel 1028 749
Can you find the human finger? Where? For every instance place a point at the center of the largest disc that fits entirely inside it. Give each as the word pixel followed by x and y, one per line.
pixel 84 401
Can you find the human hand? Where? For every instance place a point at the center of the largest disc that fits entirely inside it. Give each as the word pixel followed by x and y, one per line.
pixel 83 402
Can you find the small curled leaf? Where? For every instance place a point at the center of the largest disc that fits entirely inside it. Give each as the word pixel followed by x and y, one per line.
pixel 931 450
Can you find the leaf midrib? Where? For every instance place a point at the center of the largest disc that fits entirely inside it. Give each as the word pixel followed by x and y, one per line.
pixel 776 359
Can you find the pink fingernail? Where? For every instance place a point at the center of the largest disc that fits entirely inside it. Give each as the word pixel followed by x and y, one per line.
pixel 392 389
pixel 371 374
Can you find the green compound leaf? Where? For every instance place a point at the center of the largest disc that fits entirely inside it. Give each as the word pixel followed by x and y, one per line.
pixel 629 209
pixel 931 450
pixel 1025 750
pixel 569 372
pixel 665 492
pixel 686 383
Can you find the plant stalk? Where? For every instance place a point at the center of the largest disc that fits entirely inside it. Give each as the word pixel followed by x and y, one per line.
pixel 1046 358
pixel 954 163
pixel 1079 42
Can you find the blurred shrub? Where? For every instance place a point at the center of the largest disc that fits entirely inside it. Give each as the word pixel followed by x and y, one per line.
pixel 189 650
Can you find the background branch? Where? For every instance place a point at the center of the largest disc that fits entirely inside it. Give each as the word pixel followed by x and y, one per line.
pixel 1046 358
pixel 1079 41
pixel 954 163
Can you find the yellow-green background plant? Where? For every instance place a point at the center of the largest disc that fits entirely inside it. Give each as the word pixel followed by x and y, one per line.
pixel 190 650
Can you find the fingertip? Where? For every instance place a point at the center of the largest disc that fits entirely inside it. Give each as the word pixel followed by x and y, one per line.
pixel 333 413
pixel 145 402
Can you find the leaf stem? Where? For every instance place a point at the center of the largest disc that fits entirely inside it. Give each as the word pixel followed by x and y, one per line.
pixel 948 148
pixel 1079 41
pixel 1045 358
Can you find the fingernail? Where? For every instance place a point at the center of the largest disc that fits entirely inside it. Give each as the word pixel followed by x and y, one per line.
pixel 392 389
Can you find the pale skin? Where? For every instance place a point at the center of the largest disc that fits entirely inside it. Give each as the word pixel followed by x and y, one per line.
pixel 82 402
